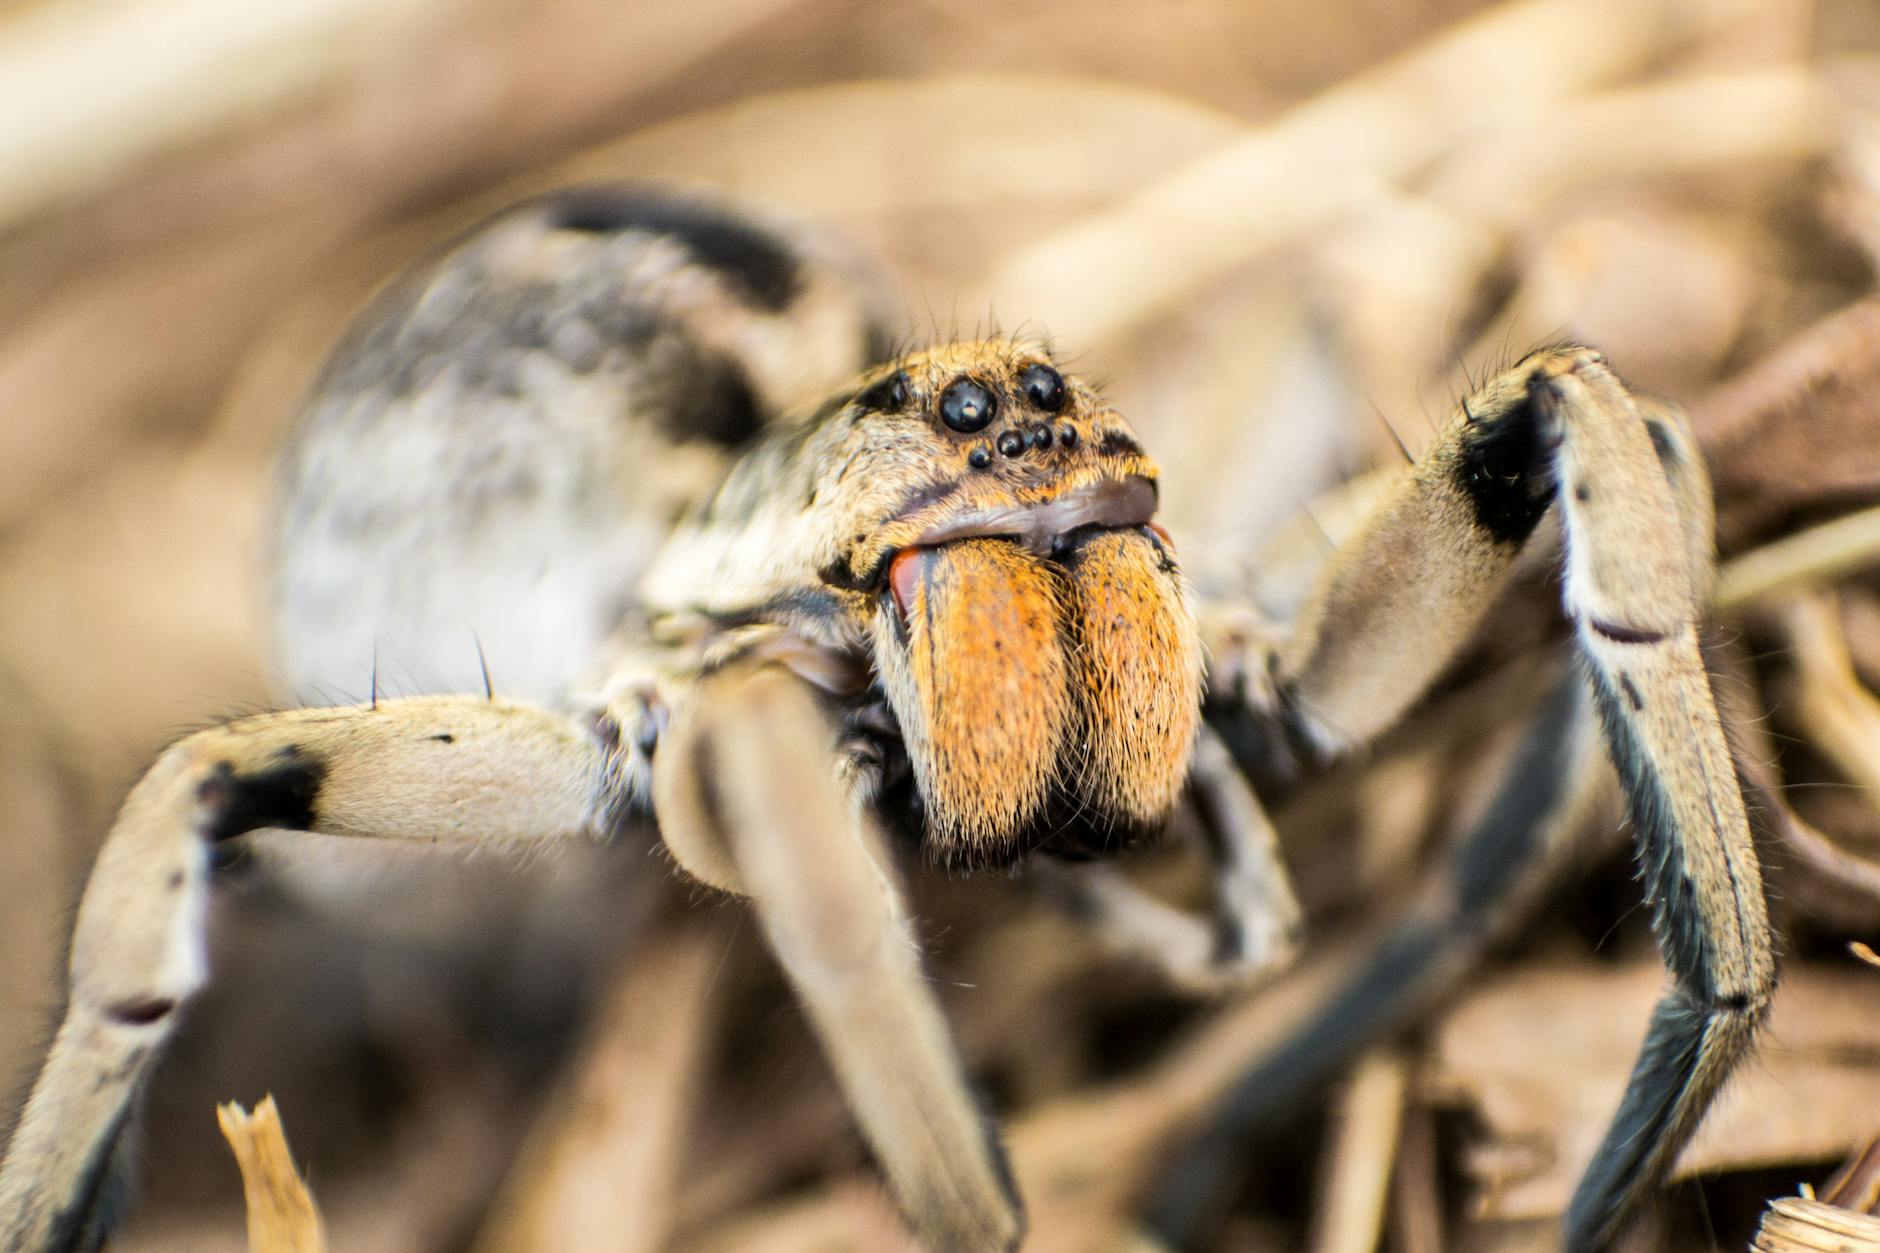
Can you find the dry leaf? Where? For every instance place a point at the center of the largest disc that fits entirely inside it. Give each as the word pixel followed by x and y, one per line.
pixel 1542 1053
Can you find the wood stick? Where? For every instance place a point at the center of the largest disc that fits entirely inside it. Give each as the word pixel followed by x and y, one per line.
pixel 1416 1186
pixel 598 1169
pixel 89 86
pixel 1350 1215
pixel 1842 716
pixel 1704 121
pixel 1812 558
pixel 281 1214
pixel 1795 1224
pixel 1122 265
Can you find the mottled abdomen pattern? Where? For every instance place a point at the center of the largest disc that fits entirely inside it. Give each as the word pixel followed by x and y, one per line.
pixel 496 451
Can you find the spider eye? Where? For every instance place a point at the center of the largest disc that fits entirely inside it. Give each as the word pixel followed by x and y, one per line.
pixel 1044 386
pixel 890 393
pixel 966 406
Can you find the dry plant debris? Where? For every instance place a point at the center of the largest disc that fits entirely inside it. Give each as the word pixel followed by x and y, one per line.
pixel 1799 1225
pixel 281 1214
pixel 599 1169
pixel 1811 1097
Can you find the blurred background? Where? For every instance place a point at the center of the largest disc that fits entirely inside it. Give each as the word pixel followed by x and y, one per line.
pixel 1286 232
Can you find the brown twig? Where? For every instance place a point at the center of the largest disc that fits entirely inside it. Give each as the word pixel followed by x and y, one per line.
pixel 1416 1186
pixel 1765 430
pixel 1856 1186
pixel 156 73
pixel 1843 717
pixel 1759 765
pixel 598 1169
pixel 281 1214
pixel 1807 559
pixel 1334 152
pixel 1360 1162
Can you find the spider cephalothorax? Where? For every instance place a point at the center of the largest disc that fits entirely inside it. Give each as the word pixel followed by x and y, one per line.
pixel 974 528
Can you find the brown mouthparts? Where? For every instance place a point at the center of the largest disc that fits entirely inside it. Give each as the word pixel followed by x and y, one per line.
pixel 1106 503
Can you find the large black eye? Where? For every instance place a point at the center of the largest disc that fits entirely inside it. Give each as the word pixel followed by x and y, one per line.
pixel 966 406
pixel 1044 385
pixel 887 395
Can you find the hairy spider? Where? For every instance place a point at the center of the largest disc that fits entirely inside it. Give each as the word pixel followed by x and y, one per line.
pixel 912 605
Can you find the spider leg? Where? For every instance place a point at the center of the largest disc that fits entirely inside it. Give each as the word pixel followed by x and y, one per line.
pixel 1394 606
pixel 1253 928
pixel 747 789
pixel 1482 889
pixel 433 769
pixel 1635 599
pixel 1257 918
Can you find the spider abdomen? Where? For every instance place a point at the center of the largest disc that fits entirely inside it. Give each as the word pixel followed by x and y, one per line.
pixel 494 454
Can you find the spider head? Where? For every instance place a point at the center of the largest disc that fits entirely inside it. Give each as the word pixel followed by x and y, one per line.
pixel 1026 616
pixel 971 528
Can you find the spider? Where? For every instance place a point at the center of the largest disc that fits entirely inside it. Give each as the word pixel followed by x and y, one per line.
pixel 822 611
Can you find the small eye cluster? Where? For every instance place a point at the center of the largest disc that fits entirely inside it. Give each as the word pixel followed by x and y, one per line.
pixel 969 406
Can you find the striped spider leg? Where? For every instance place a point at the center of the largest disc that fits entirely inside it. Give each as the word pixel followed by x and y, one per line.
pixel 1557 433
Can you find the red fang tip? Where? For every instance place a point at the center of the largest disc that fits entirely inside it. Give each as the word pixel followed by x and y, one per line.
pixel 904 576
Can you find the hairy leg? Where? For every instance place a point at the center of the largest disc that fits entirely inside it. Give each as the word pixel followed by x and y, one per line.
pixel 747 788
pixel 1481 890
pixel 1394 606
pixel 441 770
pixel 1253 928
pixel 1635 597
